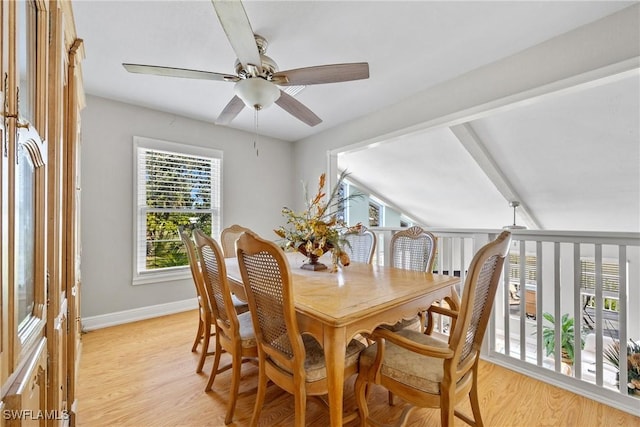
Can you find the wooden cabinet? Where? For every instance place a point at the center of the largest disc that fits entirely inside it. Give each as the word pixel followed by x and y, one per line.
pixel 41 96
pixel 28 391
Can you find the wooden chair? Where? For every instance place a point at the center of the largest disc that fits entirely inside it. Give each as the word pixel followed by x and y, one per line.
pixel 228 239
pixel 361 246
pixel 234 332
pixel 294 362
pixel 412 249
pixel 204 332
pixel 428 372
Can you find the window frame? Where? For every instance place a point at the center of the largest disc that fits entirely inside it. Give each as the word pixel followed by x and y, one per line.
pixel 169 273
pixel 375 203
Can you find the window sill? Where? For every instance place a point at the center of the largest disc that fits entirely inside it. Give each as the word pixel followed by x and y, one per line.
pixel 154 278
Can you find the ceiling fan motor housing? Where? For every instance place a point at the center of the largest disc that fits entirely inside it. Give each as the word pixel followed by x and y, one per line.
pixel 265 69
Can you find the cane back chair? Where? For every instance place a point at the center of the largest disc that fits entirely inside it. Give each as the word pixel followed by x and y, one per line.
pixel 205 324
pixel 294 362
pixel 228 239
pixel 412 249
pixel 433 373
pixel 234 332
pixel 360 246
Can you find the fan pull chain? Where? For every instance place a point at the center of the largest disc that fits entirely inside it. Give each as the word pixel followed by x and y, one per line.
pixel 255 124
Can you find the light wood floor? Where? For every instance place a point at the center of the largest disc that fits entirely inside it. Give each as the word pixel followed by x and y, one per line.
pixel 143 374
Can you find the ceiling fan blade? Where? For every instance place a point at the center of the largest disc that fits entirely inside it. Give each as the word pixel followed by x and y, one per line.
pixel 297 109
pixel 179 72
pixel 230 112
pixel 322 74
pixel 236 25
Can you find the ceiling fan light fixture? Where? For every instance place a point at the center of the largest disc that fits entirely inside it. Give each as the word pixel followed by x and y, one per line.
pixel 257 93
pixel 514 204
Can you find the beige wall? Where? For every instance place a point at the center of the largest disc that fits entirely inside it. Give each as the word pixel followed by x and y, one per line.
pixel 254 191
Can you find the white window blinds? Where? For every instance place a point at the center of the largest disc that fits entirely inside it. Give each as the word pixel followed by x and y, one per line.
pixel 174 189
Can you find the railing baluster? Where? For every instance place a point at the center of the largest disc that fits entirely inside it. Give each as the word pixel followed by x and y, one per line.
pixel 599 314
pixel 523 293
pixel 577 309
pixel 507 311
pixel 557 307
pixel 539 290
pixel 623 290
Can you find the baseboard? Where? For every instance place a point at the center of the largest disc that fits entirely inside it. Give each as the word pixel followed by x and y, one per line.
pixel 119 317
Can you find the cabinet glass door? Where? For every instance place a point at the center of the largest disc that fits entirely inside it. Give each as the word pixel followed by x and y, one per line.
pixel 25 234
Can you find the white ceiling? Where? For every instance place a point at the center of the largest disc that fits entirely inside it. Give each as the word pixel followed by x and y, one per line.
pixel 410 46
pixel 572 160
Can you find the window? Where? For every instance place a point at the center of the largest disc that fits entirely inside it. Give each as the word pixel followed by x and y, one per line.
pixel 610 284
pixel 176 185
pixel 529 269
pixel 341 211
pixel 374 214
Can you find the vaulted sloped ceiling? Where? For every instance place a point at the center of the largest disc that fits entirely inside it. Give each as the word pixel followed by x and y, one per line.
pixel 573 160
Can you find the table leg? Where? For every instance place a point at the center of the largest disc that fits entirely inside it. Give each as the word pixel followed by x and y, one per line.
pixel 335 347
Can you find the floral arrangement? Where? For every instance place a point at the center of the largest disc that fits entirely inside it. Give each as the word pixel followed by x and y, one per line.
pixel 318 229
pixel 612 354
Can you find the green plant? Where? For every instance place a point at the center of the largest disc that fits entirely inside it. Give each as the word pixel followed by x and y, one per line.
pixel 612 355
pixel 567 336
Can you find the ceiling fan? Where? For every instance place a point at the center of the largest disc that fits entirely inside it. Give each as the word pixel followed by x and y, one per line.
pixel 257 77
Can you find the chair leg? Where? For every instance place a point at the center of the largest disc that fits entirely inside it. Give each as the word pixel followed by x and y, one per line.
pixel 475 403
pixel 206 335
pixel 392 401
pixel 262 390
pixel 216 363
pixel 235 384
pixel 447 408
pixel 198 336
pixel 300 399
pixel 360 390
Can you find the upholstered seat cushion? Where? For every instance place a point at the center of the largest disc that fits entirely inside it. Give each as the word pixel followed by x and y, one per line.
pixel 247 335
pixel 239 305
pixel 314 363
pixel 412 369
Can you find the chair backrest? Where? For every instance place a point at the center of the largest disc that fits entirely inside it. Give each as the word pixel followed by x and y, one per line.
pixel 266 277
pixel 196 272
pixel 214 274
pixel 228 239
pixel 413 249
pixel 479 292
pixel 361 246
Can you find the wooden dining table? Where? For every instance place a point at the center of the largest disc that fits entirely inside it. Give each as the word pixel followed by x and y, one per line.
pixel 336 306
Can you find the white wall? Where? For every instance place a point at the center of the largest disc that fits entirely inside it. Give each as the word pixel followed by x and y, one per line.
pixel 254 191
pixel 358 208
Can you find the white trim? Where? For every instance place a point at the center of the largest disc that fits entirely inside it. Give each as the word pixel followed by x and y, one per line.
pixel 126 316
pixel 182 273
pixel 140 142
